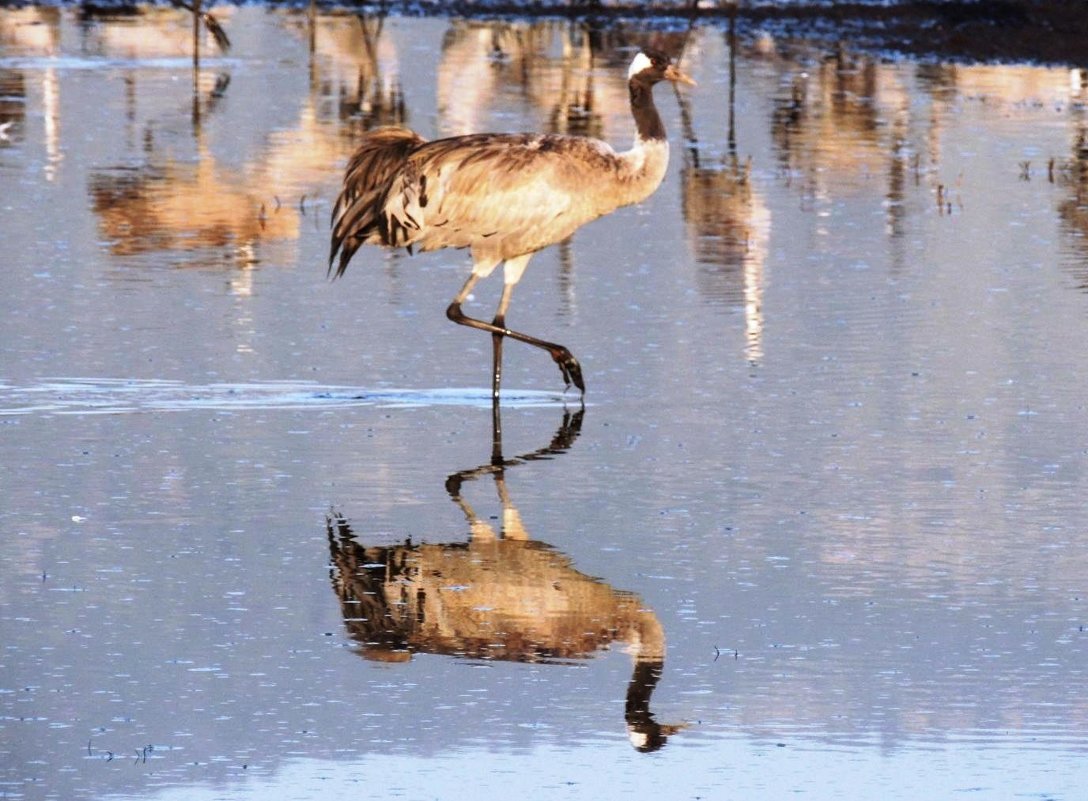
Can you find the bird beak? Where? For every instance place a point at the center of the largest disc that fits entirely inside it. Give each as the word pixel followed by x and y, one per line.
pixel 672 73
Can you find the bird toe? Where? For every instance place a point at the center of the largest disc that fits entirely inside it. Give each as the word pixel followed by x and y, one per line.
pixel 570 368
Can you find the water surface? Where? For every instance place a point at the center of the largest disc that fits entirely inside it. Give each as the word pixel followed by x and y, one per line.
pixel 824 508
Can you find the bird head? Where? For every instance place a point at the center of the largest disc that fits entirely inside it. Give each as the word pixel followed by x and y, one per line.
pixel 651 66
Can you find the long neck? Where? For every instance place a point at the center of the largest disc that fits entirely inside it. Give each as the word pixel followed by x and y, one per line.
pixel 642 168
pixel 647 120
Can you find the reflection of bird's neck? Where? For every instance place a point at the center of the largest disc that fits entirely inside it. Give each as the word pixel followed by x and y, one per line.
pixel 644 732
pixel 648 640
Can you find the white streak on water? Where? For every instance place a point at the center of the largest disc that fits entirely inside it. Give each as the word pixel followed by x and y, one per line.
pixel 87 396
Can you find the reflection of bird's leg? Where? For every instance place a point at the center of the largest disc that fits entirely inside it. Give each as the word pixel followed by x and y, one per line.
pixel 479 529
pixel 512 527
pixel 568 431
pixel 496 431
pixel 568 365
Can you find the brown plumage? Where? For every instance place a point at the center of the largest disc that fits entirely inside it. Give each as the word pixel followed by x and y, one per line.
pixel 503 196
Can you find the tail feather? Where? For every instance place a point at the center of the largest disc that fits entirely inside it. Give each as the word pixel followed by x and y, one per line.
pixel 357 215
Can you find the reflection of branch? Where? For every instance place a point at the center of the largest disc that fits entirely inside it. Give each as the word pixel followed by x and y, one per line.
pixel 727 222
pixel 370 39
pixel 693 14
pixel 210 22
pixel 371 101
pixel 685 104
pixel 687 127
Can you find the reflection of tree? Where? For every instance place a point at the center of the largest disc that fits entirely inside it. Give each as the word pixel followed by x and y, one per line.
pixel 357 70
pixel 12 104
pixel 208 204
pixel 728 222
pixel 829 120
pixel 148 31
pixel 33 31
pixel 1074 209
pixel 499 596
pixel 185 207
pixel 729 226
pixel 546 65
pixel 844 121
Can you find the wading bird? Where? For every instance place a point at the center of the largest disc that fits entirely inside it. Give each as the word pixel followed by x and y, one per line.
pixel 503 196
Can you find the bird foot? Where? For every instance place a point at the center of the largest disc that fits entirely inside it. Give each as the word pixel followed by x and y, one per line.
pixel 570 368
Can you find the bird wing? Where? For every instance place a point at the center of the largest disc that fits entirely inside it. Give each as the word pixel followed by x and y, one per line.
pixel 500 194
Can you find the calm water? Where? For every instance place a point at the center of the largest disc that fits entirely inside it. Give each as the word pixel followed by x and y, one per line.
pixel 826 502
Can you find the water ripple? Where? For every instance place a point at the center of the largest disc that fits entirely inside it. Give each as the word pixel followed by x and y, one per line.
pixel 63 396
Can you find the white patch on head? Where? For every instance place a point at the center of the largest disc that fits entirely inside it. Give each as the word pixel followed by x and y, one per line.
pixel 641 62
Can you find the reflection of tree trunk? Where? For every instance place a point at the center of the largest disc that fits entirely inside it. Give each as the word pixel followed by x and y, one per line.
pixel 196 66
pixel 728 224
pixel 196 44
pixel 1074 209
pixel 731 41
pixel 376 103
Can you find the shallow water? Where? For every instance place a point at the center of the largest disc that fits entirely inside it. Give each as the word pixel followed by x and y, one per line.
pixel 826 500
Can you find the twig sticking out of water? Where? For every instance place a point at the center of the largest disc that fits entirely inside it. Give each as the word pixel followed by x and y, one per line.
pixel 718 653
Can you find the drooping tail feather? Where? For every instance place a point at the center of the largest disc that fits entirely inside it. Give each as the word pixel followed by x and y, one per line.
pixel 357 215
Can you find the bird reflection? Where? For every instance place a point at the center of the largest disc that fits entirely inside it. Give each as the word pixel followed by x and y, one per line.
pixel 501 595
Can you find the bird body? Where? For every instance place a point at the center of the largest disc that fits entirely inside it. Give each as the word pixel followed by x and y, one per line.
pixel 503 196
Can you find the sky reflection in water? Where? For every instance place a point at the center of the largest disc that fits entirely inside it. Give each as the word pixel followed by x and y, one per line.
pixel 832 445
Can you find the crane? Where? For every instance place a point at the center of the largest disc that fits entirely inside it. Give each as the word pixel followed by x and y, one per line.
pixel 503 196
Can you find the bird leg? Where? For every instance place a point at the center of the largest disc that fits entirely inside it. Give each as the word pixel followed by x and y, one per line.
pixel 496 357
pixel 499 322
pixel 568 365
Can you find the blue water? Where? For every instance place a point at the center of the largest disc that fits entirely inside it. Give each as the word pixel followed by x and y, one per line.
pixel 824 503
